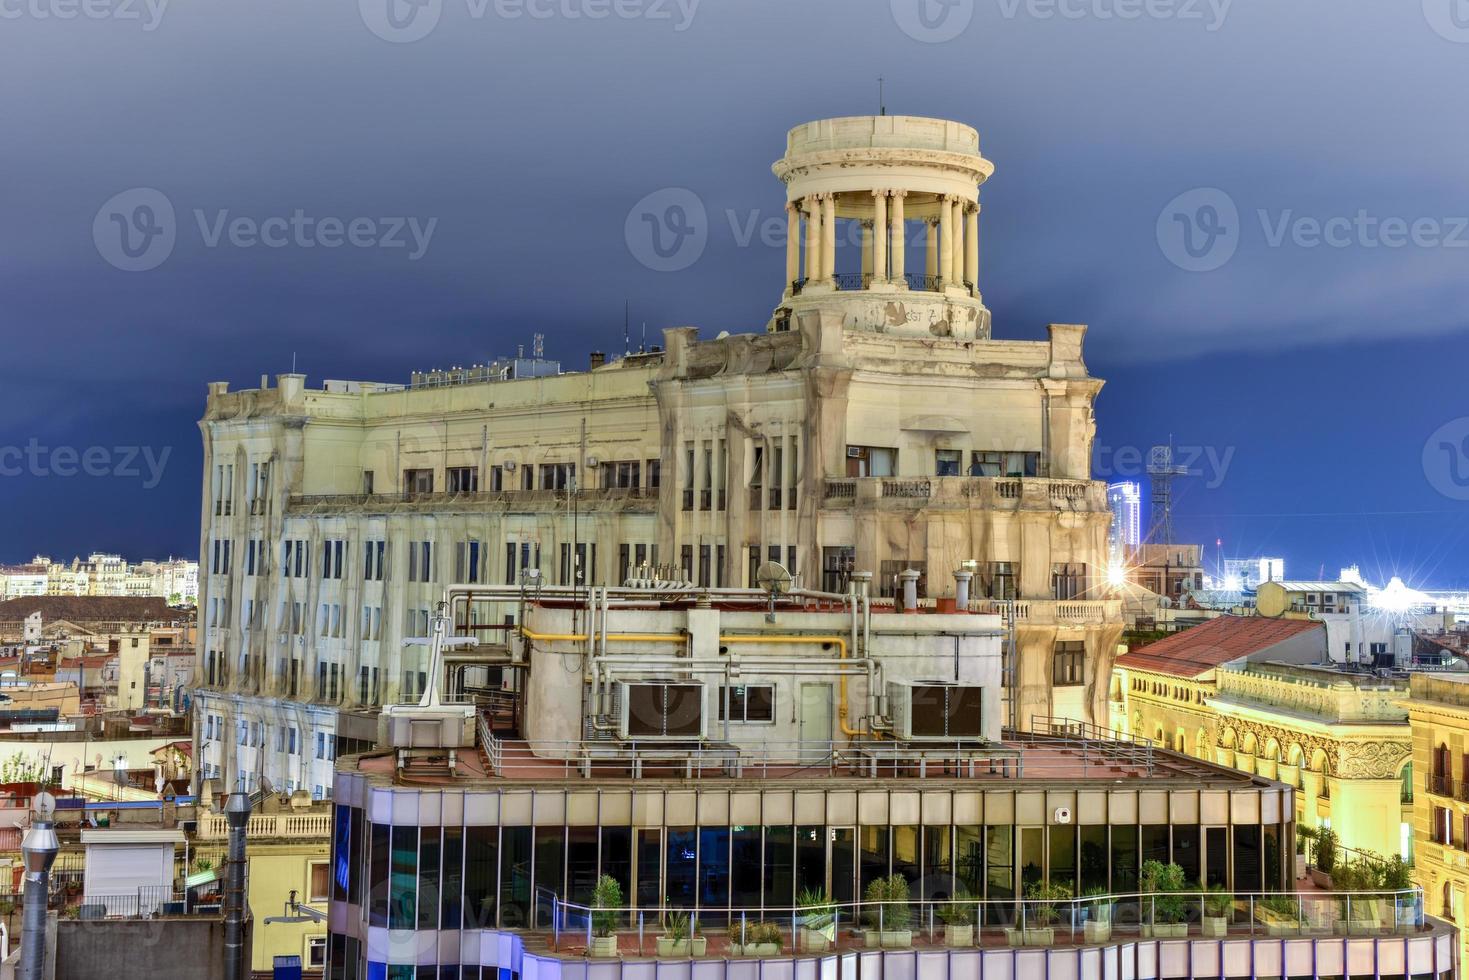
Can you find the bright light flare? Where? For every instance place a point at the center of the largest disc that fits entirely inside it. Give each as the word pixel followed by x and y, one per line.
pixel 1397 597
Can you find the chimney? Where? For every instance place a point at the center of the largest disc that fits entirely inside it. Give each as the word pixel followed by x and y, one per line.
pixel 961 589
pixel 598 359
pixel 39 849
pixel 237 816
pixel 908 577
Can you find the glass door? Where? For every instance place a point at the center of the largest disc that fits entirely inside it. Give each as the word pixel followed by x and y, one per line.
pixel 648 888
pixel 842 860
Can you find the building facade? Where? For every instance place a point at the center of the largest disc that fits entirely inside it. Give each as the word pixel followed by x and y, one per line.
pixel 876 425
pixel 1438 711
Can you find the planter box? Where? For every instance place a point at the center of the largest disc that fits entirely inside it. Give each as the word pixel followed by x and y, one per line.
pixel 1214 926
pixel 1097 932
pixel 1164 930
pixel 1300 865
pixel 959 935
pixel 1321 878
pixel 1041 936
pixel 895 939
pixel 603 946
pixel 754 949
pixel 673 947
pixel 814 940
pixel 1282 927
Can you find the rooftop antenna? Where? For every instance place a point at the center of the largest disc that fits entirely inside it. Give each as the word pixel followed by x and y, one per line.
pixel 1161 473
pixel 626 343
pixel 643 343
pixel 538 346
pixel 293 362
pixel 882 106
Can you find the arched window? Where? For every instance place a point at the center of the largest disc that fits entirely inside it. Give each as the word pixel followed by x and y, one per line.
pixel 1407 778
pixel 1448 901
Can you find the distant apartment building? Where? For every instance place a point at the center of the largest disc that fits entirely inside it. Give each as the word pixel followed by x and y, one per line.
pixel 1246 574
pixel 1438 711
pixel 876 425
pixel 1125 532
pixel 102 574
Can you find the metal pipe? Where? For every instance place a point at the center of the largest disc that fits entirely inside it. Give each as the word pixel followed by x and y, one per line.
pixel 39 849
pixel 237 815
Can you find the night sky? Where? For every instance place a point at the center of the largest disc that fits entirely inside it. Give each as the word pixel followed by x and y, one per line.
pixel 1257 206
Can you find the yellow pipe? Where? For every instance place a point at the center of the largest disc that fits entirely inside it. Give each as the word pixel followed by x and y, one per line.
pixel 841 643
pixel 625 637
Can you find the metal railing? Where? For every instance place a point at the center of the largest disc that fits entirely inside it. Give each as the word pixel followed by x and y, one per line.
pixel 647 495
pixel 1039 918
pixel 150 902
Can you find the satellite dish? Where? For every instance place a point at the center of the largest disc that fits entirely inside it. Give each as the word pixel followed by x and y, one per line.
pixel 44 805
pixel 773 578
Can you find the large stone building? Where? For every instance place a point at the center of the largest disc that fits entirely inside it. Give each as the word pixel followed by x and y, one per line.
pixel 1438 710
pixel 1260 694
pixel 875 425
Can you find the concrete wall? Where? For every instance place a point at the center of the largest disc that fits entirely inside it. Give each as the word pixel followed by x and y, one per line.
pixel 159 949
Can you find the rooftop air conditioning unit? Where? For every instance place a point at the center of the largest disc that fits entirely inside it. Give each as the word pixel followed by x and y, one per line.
pixel 662 710
pixel 510 466
pixel 593 462
pixel 935 710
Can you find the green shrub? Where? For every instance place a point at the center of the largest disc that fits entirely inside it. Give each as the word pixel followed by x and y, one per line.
pixel 1100 906
pixel 1159 881
pixel 677 927
pixel 1283 907
pixel 606 901
pixel 1326 850
pixel 887 903
pixel 1042 897
pixel 962 911
pixel 817 909
pixel 1218 903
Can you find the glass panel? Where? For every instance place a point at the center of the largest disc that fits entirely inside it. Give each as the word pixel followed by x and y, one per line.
pixel 938 878
pixel 403 881
pixel 713 874
pixel 969 853
pixel 1216 856
pixel 873 856
pixel 810 859
pixel 481 875
pixel 515 888
pixel 1247 859
pixel 1063 856
pixel 999 853
pixel 1272 857
pixel 617 858
pixel 680 868
pixel 451 903
pixel 1186 851
pixel 428 877
pixel 1032 855
pixel 650 863
pixel 581 863
pixel 378 899
pixel 744 868
pixel 1093 858
pixel 1155 843
pixel 550 862
pixel 1125 860
pixel 357 856
pixel 905 854
pixel 780 869
pixel 341 847
pixel 843 864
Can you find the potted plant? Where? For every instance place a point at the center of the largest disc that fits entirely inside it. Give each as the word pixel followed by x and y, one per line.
pixel 1281 915
pixel 1165 915
pixel 606 901
pixel 1301 852
pixel 1218 907
pixel 896 915
pixel 1097 927
pixel 1394 876
pixel 675 938
pixel 759 939
pixel 1325 839
pixel 958 916
pixel 1041 915
pixel 818 920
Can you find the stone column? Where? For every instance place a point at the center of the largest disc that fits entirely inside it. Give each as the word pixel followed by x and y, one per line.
pixel 868 247
pixel 931 249
pixel 900 239
pixel 793 245
pixel 971 247
pixel 946 240
pixel 879 236
pixel 813 239
pixel 958 226
pixel 828 236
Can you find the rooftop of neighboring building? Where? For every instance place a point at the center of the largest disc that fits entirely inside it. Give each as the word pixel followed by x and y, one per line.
pixel 1314 586
pixel 1440 690
pixel 1216 642
pixel 89 609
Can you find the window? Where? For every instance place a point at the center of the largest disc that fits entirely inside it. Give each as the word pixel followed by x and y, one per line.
pixel 871 461
pixel 418 481
pixel 373 565
pixel 367 479
pixel 757 480
pixel 999 580
pixel 468 566
pixel 1068 580
pixel 558 476
pixel 1068 658
pixel 889 569
pixel 315 952
pixel 836 568
pixel 333 554
pixel 462 479
pixel 624 474
pixel 318 881
pixel 947 462
pixel 420 561
pixel 996 463
pixel 295 561
pixel 654 469
pixel 748 703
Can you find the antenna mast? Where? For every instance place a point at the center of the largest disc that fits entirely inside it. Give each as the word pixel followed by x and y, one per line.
pixel 1161 473
pixel 882 106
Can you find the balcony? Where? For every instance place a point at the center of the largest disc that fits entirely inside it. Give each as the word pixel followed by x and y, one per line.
pixel 1053 612
pixel 639 499
pixel 295 826
pixel 966 493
